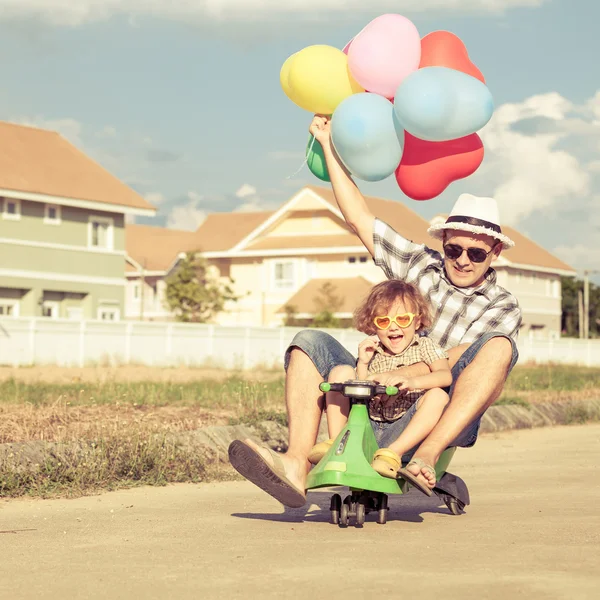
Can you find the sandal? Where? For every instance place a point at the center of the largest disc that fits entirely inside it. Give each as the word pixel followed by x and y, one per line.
pixel 270 478
pixel 319 451
pixel 413 479
pixel 386 462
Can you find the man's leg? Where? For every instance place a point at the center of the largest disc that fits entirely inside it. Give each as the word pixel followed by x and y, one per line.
pixel 478 386
pixel 309 359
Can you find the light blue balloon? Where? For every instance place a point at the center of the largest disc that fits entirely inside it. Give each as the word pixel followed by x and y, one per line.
pixel 365 136
pixel 439 104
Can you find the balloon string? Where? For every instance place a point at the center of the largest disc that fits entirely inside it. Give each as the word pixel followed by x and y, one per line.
pixel 305 159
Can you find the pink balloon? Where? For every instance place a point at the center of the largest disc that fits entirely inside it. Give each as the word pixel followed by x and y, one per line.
pixel 347 46
pixel 384 53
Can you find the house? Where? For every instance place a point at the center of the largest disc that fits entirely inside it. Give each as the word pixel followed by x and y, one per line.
pixel 62 229
pixel 283 258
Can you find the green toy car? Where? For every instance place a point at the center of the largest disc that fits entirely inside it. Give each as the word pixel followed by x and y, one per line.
pixel 348 463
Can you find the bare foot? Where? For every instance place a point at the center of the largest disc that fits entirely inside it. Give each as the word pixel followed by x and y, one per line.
pixel 296 469
pixel 423 470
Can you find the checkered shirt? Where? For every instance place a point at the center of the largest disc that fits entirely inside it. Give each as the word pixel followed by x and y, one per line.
pixel 460 315
pixel 391 408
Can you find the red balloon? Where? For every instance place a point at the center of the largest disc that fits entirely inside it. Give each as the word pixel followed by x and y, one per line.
pixel 444 49
pixel 428 168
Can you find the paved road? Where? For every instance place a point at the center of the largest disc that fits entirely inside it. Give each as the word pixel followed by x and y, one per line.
pixel 532 531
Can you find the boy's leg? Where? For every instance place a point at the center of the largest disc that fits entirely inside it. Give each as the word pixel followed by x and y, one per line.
pixel 479 377
pixel 429 410
pixel 308 361
pixel 338 406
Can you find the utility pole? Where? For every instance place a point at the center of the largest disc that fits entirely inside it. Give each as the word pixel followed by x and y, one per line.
pixel 586 302
pixel 580 320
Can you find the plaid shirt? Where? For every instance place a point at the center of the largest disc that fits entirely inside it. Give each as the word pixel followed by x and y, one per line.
pixel 422 349
pixel 460 315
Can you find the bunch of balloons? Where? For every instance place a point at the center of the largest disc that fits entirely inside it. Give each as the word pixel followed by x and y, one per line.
pixel 398 104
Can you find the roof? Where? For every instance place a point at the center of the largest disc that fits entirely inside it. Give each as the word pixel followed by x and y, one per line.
pixel 222 231
pixel 351 290
pixel 38 161
pixel 156 248
pixel 399 216
pixel 527 252
pixel 414 227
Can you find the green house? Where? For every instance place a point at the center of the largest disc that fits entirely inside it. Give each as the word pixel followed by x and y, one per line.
pixel 62 229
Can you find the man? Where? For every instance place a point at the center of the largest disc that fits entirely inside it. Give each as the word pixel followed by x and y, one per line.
pixel 475 320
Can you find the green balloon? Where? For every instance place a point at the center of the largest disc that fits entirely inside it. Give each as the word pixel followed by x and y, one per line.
pixel 316 159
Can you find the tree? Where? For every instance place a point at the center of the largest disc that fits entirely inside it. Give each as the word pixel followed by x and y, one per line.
pixel 193 294
pixel 290 319
pixel 570 307
pixel 327 304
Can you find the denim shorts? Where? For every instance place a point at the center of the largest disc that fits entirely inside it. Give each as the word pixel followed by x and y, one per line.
pixel 326 353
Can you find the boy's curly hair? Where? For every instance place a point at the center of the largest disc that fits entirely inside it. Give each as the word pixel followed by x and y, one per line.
pixel 383 296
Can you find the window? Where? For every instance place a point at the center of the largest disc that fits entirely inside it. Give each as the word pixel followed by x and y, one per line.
pixel 106 313
pixel 100 233
pixel 52 214
pixel 363 259
pixel 283 275
pixel 11 209
pixel 352 259
pixel 50 309
pixel 136 290
pixel 9 308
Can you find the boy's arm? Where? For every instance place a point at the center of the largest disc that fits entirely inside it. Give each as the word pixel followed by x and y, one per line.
pixel 440 376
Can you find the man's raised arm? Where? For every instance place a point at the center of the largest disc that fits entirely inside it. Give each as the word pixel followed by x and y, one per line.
pixel 348 197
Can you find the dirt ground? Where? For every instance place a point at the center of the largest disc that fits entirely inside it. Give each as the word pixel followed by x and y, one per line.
pixel 532 531
pixel 129 373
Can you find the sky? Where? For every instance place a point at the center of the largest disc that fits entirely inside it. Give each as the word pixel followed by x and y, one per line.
pixel 181 100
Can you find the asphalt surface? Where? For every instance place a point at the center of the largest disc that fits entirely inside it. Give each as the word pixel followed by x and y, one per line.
pixel 532 531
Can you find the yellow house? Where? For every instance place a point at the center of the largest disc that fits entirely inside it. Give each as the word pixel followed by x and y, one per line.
pixel 284 257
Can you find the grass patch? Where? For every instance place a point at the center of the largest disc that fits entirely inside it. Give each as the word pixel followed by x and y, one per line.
pixel 579 414
pixel 232 393
pixel 512 400
pixel 106 464
pixel 557 378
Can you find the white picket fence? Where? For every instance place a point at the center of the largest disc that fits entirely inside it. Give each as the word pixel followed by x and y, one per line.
pixel 25 342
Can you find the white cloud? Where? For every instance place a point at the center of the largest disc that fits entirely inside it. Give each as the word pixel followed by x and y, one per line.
pixel 245 191
pixel 155 198
pixel 74 13
pixel 531 172
pixel 108 131
pixel 186 216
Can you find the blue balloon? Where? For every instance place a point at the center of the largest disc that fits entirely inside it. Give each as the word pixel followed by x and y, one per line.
pixel 365 136
pixel 437 104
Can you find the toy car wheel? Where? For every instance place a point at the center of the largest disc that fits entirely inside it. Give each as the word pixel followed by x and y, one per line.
pixel 344 514
pixel 360 514
pixel 455 506
pixel 382 510
pixel 335 506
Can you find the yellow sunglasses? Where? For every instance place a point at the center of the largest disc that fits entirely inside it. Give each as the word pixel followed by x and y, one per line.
pixel 403 321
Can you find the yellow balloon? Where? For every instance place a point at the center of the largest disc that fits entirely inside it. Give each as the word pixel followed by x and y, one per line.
pixel 284 75
pixel 318 79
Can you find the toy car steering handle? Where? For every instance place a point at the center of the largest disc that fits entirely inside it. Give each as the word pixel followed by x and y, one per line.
pixel 348 388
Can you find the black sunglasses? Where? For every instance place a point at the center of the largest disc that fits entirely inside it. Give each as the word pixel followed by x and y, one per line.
pixel 476 255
